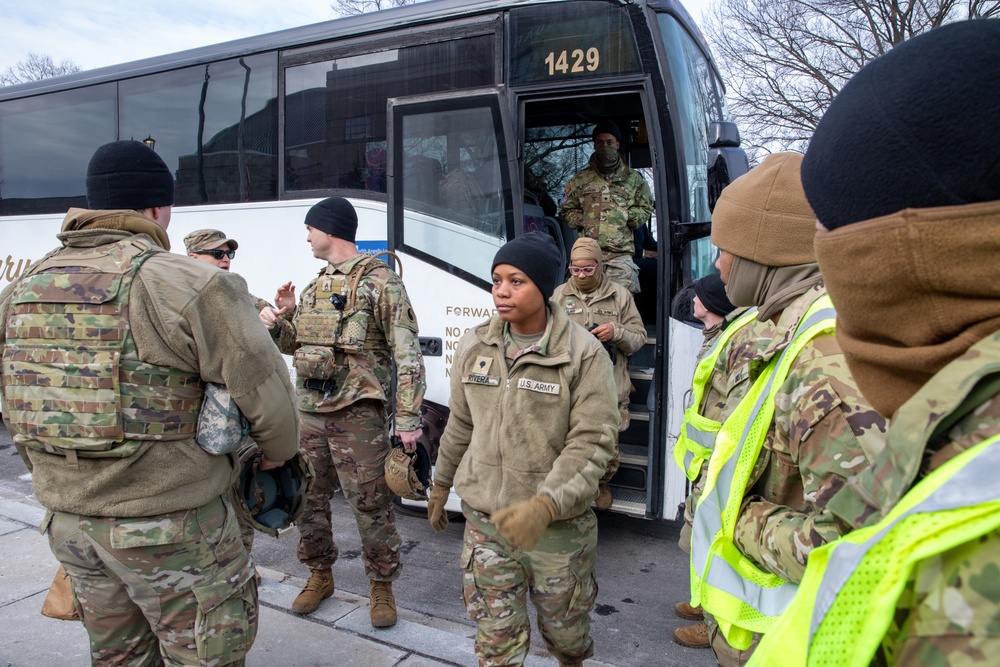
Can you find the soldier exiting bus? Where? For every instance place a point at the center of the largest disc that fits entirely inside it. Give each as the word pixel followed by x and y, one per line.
pixel 607 201
pixel 353 325
pixel 534 418
pixel 108 343
pixel 607 310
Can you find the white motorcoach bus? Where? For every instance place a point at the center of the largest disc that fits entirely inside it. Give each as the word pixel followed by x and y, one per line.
pixel 452 125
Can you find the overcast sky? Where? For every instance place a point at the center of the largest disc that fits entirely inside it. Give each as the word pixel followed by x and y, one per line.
pixel 115 31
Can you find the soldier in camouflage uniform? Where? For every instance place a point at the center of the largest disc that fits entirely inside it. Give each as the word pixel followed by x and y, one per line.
pixel 823 433
pixel 213 247
pixel 712 307
pixel 353 326
pixel 607 310
pixel 909 259
pixel 533 424
pixel 102 385
pixel 607 201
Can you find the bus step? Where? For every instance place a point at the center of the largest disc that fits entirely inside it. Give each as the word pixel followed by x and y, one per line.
pixel 634 455
pixel 628 501
pixel 643 374
pixel 638 412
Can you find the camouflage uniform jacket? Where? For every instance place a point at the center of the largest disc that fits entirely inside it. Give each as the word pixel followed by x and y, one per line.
pixel 608 209
pixel 949 611
pixel 823 435
pixel 367 374
pixel 282 334
pixel 610 302
pixel 729 377
pixel 174 314
pixel 539 420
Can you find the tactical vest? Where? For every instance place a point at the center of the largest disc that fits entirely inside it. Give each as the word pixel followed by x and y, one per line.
pixel 743 598
pixel 72 381
pixel 332 318
pixel 694 445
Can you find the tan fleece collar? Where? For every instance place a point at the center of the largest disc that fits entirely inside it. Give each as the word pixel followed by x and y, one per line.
pixel 913 291
pixel 78 219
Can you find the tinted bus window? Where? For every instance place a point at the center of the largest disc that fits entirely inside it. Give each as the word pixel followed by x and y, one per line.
pixel 335 110
pixel 699 102
pixel 215 125
pixel 45 146
pixel 571 41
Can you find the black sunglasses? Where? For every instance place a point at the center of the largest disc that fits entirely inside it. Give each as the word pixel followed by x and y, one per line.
pixel 217 254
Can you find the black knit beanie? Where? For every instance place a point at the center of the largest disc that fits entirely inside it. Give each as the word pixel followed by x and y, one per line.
pixel 711 292
pixel 336 217
pixel 607 127
pixel 912 129
pixel 538 256
pixel 128 175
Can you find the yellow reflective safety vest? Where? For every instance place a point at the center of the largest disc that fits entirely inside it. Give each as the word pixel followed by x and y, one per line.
pixel 849 594
pixel 694 445
pixel 743 598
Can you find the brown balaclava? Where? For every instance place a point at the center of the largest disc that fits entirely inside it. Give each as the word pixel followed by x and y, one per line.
pixel 587 248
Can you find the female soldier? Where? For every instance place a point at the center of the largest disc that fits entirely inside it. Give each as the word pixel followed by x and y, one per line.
pixel 534 419
pixel 607 311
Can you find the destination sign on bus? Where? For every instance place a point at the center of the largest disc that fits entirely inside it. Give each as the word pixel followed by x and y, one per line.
pixel 552 42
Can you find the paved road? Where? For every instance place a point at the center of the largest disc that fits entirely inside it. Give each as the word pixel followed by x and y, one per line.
pixel 641 573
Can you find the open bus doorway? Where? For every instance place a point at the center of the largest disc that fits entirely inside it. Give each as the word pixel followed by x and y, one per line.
pixel 556 143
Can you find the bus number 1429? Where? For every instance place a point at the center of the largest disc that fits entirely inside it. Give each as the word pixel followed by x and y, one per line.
pixel 581 62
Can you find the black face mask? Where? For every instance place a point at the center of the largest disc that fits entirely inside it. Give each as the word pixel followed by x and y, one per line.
pixel 607 157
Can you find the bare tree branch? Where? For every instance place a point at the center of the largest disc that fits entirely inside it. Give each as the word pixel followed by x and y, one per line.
pixel 353 7
pixel 35 67
pixel 785 60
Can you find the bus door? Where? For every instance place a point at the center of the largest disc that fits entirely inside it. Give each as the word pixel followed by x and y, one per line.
pixel 556 142
pixel 450 210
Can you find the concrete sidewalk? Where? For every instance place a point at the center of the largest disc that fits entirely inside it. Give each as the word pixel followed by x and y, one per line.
pixel 338 633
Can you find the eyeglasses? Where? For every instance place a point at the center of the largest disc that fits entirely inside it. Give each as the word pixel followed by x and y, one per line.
pixel 217 254
pixel 583 270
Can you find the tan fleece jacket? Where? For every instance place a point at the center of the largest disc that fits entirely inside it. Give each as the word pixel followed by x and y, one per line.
pixel 610 302
pixel 548 424
pixel 191 316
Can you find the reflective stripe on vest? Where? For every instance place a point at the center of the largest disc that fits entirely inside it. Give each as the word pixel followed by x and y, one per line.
pixel 694 444
pixel 743 598
pixel 849 594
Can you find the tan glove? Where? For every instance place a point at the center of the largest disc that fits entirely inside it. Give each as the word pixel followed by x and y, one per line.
pixel 436 514
pixel 522 524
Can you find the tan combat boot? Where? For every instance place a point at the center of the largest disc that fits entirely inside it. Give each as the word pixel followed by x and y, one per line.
pixel 382 605
pixel 318 588
pixel 604 497
pixel 693 636
pixel 688 613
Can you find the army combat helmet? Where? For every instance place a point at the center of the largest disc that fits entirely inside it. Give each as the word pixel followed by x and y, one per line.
pixel 407 474
pixel 272 500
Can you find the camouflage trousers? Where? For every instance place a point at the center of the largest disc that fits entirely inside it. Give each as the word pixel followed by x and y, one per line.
pixel 349 446
pixel 174 589
pixel 621 269
pixel 558 574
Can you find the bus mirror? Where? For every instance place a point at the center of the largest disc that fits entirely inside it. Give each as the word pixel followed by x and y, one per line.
pixel 725 165
pixel 723 134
